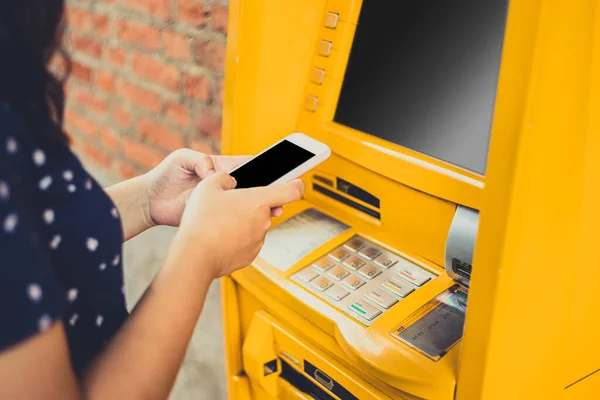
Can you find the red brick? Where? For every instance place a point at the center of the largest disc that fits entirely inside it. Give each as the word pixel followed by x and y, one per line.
pixel 159 135
pixel 141 97
pixel 96 155
pixel 209 125
pixel 203 146
pixel 81 72
pixel 176 45
pixel 86 45
pixel 220 95
pixel 116 56
pixel 81 123
pixel 78 19
pixel 101 24
pixel 122 116
pixel 141 35
pixel 156 71
pixel 197 86
pixel 110 138
pixel 157 8
pixel 191 12
pixel 211 54
pixel 90 100
pixel 126 171
pixel 105 81
pixel 219 16
pixel 140 153
pixel 178 114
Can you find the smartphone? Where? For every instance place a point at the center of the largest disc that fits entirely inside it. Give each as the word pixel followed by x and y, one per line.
pixel 286 160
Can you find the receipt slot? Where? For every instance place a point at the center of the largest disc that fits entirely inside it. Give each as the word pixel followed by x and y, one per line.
pixel 462 186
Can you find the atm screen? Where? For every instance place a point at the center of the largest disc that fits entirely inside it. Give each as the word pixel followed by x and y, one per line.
pixel 423 74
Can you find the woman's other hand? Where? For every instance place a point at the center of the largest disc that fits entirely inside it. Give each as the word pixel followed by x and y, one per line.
pixel 227 228
pixel 169 185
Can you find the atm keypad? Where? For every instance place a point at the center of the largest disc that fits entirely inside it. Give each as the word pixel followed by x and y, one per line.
pixel 370 271
pixel 362 279
pixel 369 253
pixel 338 273
pixel 339 254
pixel 353 282
pixel 324 264
pixel 353 263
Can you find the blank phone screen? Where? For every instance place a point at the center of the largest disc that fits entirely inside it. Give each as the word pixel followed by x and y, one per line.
pixel 271 165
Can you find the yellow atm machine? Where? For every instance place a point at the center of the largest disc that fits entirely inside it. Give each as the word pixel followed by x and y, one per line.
pixel 448 249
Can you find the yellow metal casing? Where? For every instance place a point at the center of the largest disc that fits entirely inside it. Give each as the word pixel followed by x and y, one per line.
pixel 531 323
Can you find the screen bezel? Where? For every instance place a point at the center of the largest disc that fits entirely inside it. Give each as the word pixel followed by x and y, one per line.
pixel 401 164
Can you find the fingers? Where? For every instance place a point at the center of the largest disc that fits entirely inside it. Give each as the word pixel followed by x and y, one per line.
pixel 227 163
pixel 195 162
pixel 280 194
pixel 220 180
pixel 277 211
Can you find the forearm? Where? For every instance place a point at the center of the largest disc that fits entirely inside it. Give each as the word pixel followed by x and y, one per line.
pixel 131 199
pixel 143 359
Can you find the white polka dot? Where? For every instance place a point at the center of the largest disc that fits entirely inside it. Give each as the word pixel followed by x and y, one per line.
pixel 11 145
pixel 72 295
pixel 68 175
pixel 99 320
pixel 102 266
pixel 92 244
pixel 44 323
pixel 4 191
pixel 88 184
pixel 39 158
pixel 10 223
pixel 34 291
pixel 73 319
pixel 116 260
pixel 48 216
pixel 123 289
pixel 114 212
pixel 71 188
pixel 45 182
pixel 55 242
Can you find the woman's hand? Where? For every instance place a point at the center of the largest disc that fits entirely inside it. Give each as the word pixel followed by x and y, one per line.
pixel 226 228
pixel 169 184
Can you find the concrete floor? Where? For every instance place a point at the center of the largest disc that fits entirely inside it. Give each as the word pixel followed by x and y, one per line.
pixel 202 376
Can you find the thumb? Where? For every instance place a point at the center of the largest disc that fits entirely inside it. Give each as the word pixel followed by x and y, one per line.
pixel 221 180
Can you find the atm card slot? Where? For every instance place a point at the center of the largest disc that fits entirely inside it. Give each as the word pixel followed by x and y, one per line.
pixel 329 193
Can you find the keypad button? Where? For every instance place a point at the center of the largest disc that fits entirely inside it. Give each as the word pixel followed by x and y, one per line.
pixel 324 264
pixel 386 261
pixel 331 20
pixel 364 309
pixel 413 275
pixel 324 48
pixel 339 254
pixel 381 298
pixel 370 253
pixel 317 75
pixel 307 274
pixel 321 284
pixel 310 104
pixel 337 292
pixel 370 271
pixel 354 263
pixel 338 273
pixel 355 244
pixel 398 286
pixel 353 282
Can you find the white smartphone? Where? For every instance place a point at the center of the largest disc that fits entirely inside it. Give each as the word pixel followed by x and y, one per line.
pixel 286 160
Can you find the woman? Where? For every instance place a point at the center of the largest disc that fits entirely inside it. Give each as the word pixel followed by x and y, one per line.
pixel 64 330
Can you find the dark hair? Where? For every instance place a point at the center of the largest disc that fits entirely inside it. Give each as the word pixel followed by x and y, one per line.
pixel 30 35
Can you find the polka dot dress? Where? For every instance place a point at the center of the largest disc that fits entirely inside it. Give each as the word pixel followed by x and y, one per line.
pixel 60 247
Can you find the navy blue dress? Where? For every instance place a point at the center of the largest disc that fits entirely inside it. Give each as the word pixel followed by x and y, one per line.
pixel 60 248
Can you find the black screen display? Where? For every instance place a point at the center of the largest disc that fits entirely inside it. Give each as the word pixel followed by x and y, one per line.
pixel 271 165
pixel 423 74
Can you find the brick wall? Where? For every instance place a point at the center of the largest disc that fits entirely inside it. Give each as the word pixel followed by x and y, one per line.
pixel 147 78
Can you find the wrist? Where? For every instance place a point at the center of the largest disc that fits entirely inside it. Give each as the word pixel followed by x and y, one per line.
pixel 191 244
pixel 145 199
